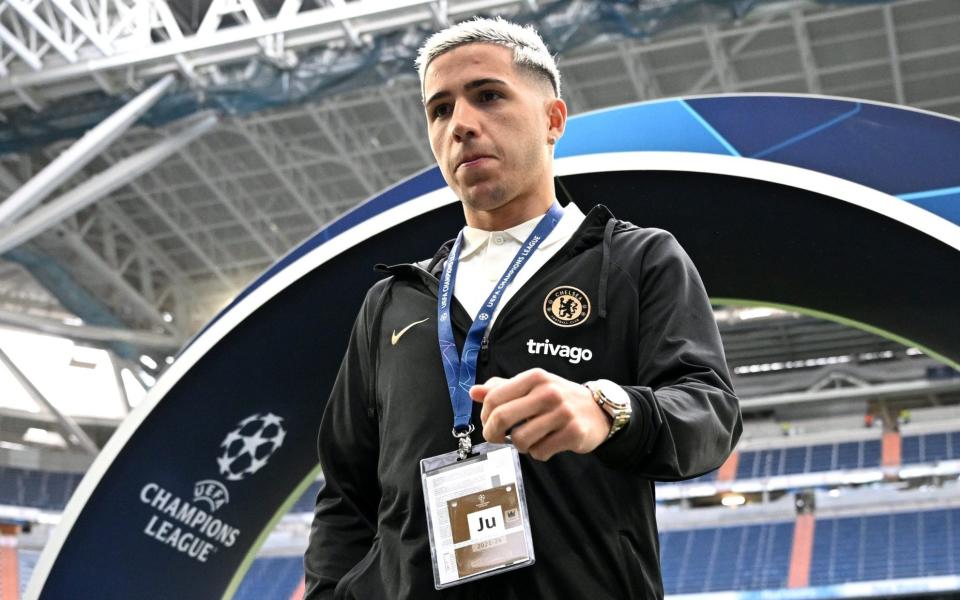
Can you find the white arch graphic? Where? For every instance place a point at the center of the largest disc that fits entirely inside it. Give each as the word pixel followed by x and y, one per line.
pixel 828 185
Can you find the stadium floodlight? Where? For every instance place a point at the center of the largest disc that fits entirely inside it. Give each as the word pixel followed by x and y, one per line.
pixel 733 500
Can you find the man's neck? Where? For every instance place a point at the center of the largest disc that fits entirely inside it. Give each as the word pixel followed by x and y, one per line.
pixel 506 216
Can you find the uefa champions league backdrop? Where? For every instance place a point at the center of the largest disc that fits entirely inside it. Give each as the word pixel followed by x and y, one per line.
pixel 841 209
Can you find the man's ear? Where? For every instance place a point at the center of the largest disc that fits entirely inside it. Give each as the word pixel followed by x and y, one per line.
pixel 557 119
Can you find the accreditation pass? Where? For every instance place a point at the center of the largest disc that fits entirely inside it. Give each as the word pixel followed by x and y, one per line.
pixel 476 514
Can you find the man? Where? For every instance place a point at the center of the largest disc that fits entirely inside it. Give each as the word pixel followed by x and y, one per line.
pixel 602 360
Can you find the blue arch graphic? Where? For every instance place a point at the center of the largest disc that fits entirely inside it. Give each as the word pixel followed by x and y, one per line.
pixel 274 350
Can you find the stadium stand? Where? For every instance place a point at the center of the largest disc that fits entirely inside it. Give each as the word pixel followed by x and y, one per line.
pixel 271 578
pixel 306 502
pixel 757 556
pixel 38 489
pixel 705 478
pixel 751 557
pixel 753 553
pixel 809 459
pixel 931 447
pixel 886 546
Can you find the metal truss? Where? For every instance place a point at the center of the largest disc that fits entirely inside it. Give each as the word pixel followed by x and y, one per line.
pixel 79 154
pixel 644 83
pixel 794 36
pixel 92 334
pixel 895 71
pixel 46 43
pixel 188 227
pixel 76 437
pixel 19 293
pixel 86 193
pixel 133 280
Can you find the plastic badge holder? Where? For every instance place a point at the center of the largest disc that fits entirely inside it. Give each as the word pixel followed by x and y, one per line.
pixel 476 514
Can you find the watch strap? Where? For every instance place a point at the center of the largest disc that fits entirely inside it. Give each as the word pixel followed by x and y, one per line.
pixel 614 401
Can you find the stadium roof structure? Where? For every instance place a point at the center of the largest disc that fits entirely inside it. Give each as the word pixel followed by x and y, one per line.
pixel 240 128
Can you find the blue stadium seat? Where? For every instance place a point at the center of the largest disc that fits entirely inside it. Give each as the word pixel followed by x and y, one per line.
pixel 910 450
pixel 871 454
pixel 37 489
pixel 795 460
pixel 750 557
pixel 848 455
pixel 770 463
pixel 935 447
pixel 822 458
pixel 271 578
pixel 906 533
pixel 746 465
pixel 308 500
pixel 938 557
pixel 889 546
pixel 817 458
pixel 707 477
pixel 930 448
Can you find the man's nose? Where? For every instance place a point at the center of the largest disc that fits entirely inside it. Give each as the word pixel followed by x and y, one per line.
pixel 464 121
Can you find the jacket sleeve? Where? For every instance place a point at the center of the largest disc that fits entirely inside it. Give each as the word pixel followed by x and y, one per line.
pixel 686 417
pixel 344 520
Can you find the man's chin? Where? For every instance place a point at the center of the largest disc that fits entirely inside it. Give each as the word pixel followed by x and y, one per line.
pixel 488 201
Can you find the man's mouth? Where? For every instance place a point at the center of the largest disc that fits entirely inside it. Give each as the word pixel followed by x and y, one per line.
pixel 473 161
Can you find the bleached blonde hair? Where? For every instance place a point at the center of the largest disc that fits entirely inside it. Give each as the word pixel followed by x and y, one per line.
pixel 529 51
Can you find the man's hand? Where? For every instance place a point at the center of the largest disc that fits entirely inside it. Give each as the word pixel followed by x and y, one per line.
pixel 547 413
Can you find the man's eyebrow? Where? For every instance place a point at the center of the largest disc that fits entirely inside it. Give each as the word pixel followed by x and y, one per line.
pixel 467 86
pixel 482 82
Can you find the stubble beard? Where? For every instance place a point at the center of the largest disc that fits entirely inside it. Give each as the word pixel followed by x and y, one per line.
pixel 497 191
pixel 485 200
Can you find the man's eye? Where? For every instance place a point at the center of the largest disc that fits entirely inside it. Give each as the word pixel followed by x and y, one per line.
pixel 440 110
pixel 488 95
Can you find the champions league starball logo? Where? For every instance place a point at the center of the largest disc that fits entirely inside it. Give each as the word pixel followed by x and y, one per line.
pixel 191 527
pixel 247 448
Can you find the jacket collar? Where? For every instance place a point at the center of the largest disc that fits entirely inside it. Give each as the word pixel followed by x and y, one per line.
pixel 474 240
pixel 589 234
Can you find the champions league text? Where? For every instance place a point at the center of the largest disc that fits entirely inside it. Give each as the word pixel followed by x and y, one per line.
pixel 199 533
pixel 517 263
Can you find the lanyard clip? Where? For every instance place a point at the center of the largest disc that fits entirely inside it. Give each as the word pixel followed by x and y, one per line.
pixel 464 441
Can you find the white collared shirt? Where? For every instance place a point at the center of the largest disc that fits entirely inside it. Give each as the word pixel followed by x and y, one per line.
pixel 485 256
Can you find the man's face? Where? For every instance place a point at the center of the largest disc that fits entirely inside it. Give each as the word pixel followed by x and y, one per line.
pixel 489 126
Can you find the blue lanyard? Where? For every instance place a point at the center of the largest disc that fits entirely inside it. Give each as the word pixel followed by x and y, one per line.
pixel 461 371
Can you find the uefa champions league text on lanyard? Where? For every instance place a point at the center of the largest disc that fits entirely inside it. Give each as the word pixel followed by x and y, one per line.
pixel 476 508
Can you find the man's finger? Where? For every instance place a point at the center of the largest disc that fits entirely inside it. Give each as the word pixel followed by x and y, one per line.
pixel 478 393
pixel 552 444
pixel 493 382
pixel 500 419
pixel 513 388
pixel 532 432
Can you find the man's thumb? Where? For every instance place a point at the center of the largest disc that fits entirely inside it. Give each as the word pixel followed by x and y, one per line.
pixel 478 393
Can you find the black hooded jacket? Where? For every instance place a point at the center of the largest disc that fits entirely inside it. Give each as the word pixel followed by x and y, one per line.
pixel 650 329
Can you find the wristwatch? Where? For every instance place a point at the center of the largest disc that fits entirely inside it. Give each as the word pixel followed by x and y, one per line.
pixel 619 410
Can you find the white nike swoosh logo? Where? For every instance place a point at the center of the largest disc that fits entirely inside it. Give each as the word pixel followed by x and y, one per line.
pixel 396 336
